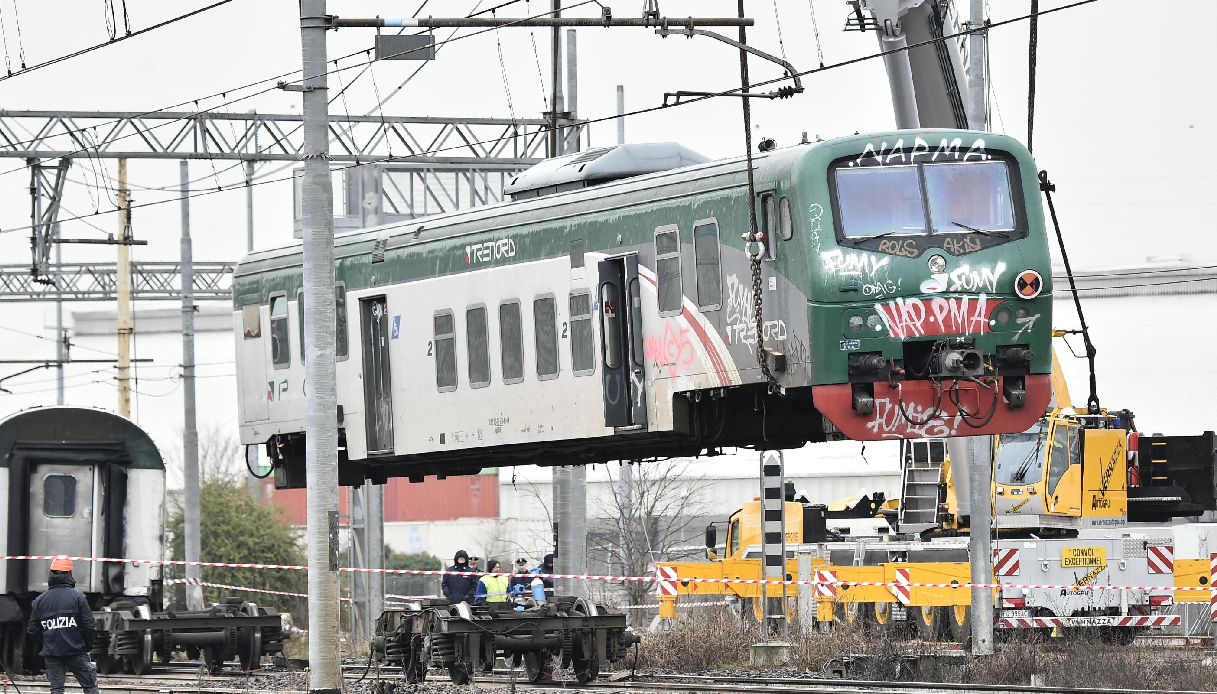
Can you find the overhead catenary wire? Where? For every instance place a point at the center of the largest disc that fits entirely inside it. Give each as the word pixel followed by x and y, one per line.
pixel 815 30
pixel 130 34
pixel 636 112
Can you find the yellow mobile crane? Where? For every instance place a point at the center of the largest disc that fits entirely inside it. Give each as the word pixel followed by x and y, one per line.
pixel 1072 506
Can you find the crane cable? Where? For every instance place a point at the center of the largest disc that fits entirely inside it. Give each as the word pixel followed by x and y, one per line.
pixel 751 248
pixel 1032 45
pixel 1048 188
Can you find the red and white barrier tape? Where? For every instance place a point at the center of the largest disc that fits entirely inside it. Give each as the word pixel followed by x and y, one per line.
pixel 716 603
pixel 247 589
pixel 644 579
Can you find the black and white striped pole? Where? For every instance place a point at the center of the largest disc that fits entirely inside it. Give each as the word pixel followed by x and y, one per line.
pixel 773 545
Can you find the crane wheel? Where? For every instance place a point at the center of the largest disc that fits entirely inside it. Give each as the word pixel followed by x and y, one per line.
pixel 928 622
pixel 959 623
pixel 858 615
pixel 884 614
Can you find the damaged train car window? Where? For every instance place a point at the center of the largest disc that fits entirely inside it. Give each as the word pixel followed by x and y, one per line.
pixel 251 321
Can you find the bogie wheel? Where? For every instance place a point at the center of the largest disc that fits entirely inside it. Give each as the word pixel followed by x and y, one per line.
pixel 213 661
pixel 928 622
pixel 538 666
pixel 959 623
pixel 459 674
pixel 141 663
pixel 107 665
pixel 587 669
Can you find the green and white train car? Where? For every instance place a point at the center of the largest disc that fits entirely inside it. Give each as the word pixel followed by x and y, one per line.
pixel 608 312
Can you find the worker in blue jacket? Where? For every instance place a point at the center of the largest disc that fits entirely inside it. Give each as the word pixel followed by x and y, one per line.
pixel 61 616
pixel 462 586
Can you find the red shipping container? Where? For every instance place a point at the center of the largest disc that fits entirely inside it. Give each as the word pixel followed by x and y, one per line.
pixel 466 496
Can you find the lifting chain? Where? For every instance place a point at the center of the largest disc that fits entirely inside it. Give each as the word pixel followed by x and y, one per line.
pixel 752 248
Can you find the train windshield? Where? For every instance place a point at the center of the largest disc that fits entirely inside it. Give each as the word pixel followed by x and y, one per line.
pixel 892 200
pixel 1020 457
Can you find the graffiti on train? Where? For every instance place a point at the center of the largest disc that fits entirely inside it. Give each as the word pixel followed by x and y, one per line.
pixel 671 350
pixel 954 315
pixel 921 151
pixel 490 251
pixel 916 421
pixel 741 316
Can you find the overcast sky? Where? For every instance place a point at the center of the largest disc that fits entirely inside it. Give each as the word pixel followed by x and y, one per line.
pixel 1124 115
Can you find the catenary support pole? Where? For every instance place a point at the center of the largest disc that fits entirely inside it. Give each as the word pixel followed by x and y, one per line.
pixel 621 114
pixel 977 118
pixel 562 528
pixel 191 486
pixel 375 556
pixel 572 92
pixel 321 402
pixel 61 347
pixel 123 292
pixel 555 103
pixel 980 547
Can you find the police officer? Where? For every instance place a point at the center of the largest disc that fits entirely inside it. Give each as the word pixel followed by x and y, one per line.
pixel 63 618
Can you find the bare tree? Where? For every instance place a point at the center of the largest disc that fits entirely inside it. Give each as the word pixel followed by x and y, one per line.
pixel 651 525
pixel 221 456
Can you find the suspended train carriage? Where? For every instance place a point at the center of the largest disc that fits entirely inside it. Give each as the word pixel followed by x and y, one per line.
pixel 609 311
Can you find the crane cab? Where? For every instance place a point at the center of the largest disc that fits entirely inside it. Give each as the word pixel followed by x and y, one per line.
pixel 1065 471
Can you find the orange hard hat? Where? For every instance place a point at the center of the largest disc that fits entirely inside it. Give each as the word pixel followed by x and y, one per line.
pixel 61 563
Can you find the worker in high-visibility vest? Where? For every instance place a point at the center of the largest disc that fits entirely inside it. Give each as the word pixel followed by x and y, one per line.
pixel 492 588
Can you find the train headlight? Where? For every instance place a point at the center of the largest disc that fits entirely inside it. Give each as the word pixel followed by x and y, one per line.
pixel 937 263
pixel 1002 316
pixel 856 323
pixel 875 323
pixel 1022 313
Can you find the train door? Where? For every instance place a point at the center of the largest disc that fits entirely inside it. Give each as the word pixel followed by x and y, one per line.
pixel 252 385
pixel 625 400
pixel 377 384
pixel 61 520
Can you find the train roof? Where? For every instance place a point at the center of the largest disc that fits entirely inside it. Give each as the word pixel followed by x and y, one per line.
pixel 85 433
pixel 773 165
pixel 599 165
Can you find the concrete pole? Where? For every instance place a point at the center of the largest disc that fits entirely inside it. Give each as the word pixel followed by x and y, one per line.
pixel 976 68
pixel 562 516
pixel 252 484
pixel 621 114
pixel 374 519
pixel 321 401
pixel 900 80
pixel 627 506
pixel 555 104
pixel 191 485
pixel 572 90
pixel 578 530
pixel 61 351
pixel 123 292
pixel 980 548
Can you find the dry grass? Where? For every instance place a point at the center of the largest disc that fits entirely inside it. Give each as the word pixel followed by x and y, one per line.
pixel 709 641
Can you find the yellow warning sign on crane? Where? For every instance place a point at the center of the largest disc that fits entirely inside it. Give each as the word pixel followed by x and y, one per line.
pixel 1083 557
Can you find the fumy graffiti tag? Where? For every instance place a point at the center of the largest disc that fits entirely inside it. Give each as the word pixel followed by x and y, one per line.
pixel 890 422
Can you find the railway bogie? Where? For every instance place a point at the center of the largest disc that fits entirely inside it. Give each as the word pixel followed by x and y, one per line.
pixel 464 640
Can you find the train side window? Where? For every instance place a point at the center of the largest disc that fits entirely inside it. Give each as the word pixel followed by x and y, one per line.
pixel 768 225
pixel 545 330
pixel 251 321
pixel 511 341
pixel 340 315
pixel 280 332
pixel 667 269
pixel 785 219
pixel 610 326
pixel 445 351
pixel 582 349
pixel 59 496
pixel 707 264
pixel 477 344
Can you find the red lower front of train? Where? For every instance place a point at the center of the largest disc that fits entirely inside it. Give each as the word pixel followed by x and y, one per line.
pixel 933 409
